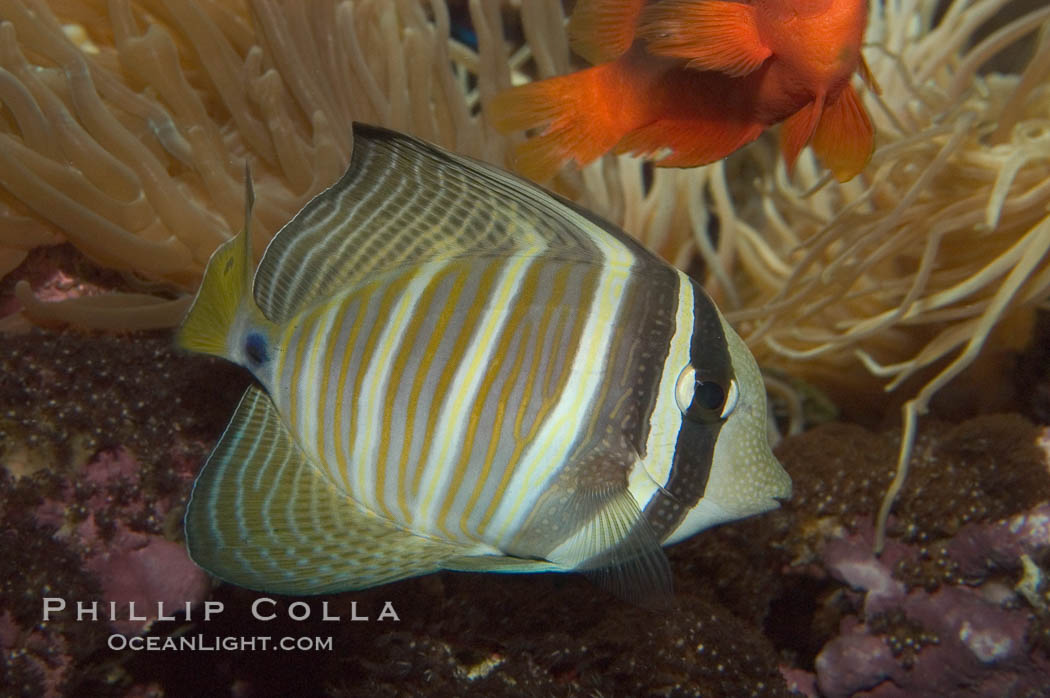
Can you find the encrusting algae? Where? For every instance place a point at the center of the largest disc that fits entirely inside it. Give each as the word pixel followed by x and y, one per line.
pixel 125 126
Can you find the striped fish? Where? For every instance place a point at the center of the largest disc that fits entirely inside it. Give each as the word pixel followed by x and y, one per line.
pixel 458 370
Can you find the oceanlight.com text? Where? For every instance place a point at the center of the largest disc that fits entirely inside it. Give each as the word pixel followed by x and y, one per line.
pixel 227 643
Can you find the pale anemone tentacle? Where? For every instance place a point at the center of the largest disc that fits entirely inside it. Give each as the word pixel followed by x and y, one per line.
pixel 140 126
pixel 948 225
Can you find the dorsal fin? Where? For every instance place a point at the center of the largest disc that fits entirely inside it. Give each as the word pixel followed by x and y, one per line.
pixel 602 30
pixel 403 201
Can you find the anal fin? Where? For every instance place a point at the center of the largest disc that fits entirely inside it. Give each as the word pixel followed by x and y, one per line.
pixel 264 517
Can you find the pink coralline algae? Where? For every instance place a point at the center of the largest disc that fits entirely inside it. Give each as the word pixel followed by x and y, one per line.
pixel 963 639
pixel 131 566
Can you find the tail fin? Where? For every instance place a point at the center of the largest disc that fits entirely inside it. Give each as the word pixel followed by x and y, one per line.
pixel 226 287
pixel 586 114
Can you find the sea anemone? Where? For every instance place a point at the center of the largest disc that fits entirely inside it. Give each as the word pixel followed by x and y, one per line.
pixel 125 125
pixel 944 240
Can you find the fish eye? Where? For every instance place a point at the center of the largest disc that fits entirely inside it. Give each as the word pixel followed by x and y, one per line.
pixel 702 399
pixel 709 395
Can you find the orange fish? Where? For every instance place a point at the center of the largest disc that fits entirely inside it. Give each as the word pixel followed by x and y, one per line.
pixel 689 81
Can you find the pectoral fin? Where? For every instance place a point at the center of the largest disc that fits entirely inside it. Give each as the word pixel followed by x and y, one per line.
pixel 711 34
pixel 589 522
pixel 634 567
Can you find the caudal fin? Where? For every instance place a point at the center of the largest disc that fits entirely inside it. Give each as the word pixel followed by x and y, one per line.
pixel 585 113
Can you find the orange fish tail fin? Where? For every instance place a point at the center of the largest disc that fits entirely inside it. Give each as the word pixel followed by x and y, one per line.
pixel 844 138
pixel 603 30
pixel 797 129
pixel 584 114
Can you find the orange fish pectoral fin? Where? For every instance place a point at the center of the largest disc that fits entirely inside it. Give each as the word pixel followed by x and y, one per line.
pixel 711 34
pixel 844 138
pixel 690 142
pixel 797 129
pixel 603 30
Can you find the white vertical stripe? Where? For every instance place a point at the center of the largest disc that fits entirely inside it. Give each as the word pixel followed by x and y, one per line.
pixel 666 419
pixel 312 380
pixel 447 441
pixel 547 454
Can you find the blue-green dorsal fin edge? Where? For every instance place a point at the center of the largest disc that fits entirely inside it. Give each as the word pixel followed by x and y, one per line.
pixel 403 202
pixel 264 517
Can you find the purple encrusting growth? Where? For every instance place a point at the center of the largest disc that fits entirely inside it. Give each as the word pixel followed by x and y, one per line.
pixel 133 567
pixel 965 639
pixel 100 437
pixel 947 609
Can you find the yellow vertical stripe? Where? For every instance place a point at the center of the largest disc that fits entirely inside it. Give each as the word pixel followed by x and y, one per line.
pixel 511 325
pixel 391 293
pixel 398 368
pixel 423 370
pixel 466 336
pixel 561 279
pixel 464 403
pixel 342 427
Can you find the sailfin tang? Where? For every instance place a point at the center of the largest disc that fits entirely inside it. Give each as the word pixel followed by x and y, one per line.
pixel 263 517
pixel 712 35
pixel 226 286
pixel 404 202
pixel 603 30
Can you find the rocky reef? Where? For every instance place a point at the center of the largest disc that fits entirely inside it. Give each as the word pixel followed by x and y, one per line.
pixel 102 435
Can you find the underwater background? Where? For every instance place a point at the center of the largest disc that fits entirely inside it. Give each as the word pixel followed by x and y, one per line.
pixel 124 128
